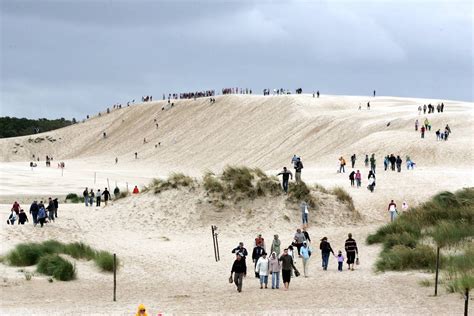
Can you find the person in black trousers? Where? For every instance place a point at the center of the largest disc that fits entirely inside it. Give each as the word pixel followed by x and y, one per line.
pixel 286 176
pixel 239 271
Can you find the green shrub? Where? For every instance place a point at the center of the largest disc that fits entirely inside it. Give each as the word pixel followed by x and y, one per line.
pixel 27 254
pixel 397 227
pixel 344 197
pixel 404 239
pixel 239 180
pixel 298 192
pixel 268 185
pixel 79 250
pixel 320 188
pixel 105 261
pixel 57 267
pixel 180 179
pixel 212 184
pixel 74 198
pixel 51 246
pixel 425 282
pixel 401 258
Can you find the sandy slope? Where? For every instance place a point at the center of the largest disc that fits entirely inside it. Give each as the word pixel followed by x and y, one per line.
pixel 180 275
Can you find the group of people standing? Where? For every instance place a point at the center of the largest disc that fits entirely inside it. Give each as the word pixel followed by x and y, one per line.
pixel 287 175
pixel 284 264
pixel 40 213
pixel 90 196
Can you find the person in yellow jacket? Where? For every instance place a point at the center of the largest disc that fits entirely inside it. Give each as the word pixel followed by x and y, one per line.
pixel 141 310
pixel 342 162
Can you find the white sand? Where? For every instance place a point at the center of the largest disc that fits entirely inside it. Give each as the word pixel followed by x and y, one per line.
pixel 180 276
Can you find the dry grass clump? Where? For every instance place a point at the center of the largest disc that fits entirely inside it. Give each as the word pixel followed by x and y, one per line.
pixel 299 192
pixel 174 181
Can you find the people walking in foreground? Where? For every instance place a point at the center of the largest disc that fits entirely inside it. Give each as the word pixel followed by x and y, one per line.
pixel 392 208
pixel 286 268
pixel 351 251
pixel 98 198
pixel 326 249
pixel 274 268
pixel 22 218
pixel 298 240
pixel 305 255
pixel 340 261
pixel 262 269
pixel 239 271
pixel 12 218
pixel 50 209
pixel 286 175
pixel 241 249
pixel 258 251
pixel 41 214
pixel 34 209
pixel 85 194
pixel 91 197
pixel 260 240
pixel 275 245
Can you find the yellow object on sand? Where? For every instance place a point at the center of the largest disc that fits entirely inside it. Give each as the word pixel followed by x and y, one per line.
pixel 140 308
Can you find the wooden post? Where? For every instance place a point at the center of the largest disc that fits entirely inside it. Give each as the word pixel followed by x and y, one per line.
pixel 466 302
pixel 214 241
pixel 115 277
pixel 437 271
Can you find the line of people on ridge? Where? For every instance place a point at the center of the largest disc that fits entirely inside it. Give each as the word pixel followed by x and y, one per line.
pixel 284 264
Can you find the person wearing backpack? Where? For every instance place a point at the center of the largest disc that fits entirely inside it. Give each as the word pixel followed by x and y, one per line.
pixel 298 167
pixel 41 214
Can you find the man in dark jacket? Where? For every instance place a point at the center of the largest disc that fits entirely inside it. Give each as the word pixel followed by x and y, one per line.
pixel 239 269
pixel 34 209
pixel 106 195
pixel 50 209
pixel 393 160
pixel 351 251
pixel 326 249
pixel 286 177
pixel 56 205
pixel 258 251
pixel 286 266
pixel 298 167
pixel 353 160
pixel 241 249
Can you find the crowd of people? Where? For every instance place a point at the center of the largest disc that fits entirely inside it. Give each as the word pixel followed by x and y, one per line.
pixel 40 213
pixel 431 108
pixel 283 263
pixel 236 90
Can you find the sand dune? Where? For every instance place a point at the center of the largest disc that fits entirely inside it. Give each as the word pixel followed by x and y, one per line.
pixel 179 275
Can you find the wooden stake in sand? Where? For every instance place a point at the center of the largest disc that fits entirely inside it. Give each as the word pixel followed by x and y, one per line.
pixel 115 277
pixel 215 242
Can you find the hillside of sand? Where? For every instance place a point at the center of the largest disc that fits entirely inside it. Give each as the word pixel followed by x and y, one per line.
pixel 164 241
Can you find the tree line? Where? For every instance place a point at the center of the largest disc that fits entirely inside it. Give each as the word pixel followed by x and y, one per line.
pixel 12 126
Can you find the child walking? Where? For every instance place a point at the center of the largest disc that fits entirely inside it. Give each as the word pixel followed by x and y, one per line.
pixel 340 260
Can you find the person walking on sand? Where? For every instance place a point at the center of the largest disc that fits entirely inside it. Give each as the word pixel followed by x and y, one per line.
pixel 274 269
pixel 135 190
pixel 91 197
pixel 298 167
pixel 353 160
pixel 276 243
pixel 358 178
pixel 352 178
pixel 106 195
pixel 286 267
pixel 50 209
pixel 41 215
pixel 257 252
pixel 98 198
pixel 305 255
pixel 342 163
pixel 16 207
pixel 416 125
pixel 304 213
pixel 239 271
pixel 34 209
pixel 340 261
pixel 422 131
pixel 399 162
pixel 12 218
pixel 371 179
pixel 298 240
pixel 366 160
pixel 326 249
pixel 260 240
pixel 262 269
pixel 392 208
pixel 85 194
pixel 136 155
pixel 22 218
pixel 351 251
pixel 372 163
pixel 241 249
pixel 286 175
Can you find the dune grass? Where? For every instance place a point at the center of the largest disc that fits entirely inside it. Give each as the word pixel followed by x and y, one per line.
pixel 344 197
pixel 446 220
pixel 57 267
pixel 299 192
pixel 74 198
pixel 29 254
pixel 174 181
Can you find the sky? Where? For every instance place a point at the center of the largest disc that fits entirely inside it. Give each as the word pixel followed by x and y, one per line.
pixel 73 58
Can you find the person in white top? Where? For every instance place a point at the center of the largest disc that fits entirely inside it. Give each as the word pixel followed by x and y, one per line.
pixel 392 208
pixel 262 269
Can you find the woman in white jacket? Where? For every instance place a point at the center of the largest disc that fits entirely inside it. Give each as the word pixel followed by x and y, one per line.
pixel 262 269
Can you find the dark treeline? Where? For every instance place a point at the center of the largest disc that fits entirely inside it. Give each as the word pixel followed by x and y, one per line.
pixel 12 126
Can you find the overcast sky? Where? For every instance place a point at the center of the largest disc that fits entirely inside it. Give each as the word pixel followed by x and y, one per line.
pixel 72 58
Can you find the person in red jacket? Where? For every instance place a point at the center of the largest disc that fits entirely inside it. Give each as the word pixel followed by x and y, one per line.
pixel 135 190
pixel 422 131
pixel 16 207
